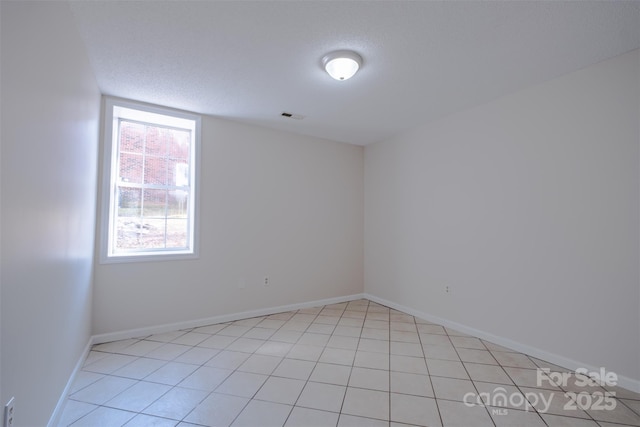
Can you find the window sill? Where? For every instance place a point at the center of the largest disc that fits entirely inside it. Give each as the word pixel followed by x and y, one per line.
pixel 146 257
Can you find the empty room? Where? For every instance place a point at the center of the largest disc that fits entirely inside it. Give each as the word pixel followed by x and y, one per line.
pixel 320 213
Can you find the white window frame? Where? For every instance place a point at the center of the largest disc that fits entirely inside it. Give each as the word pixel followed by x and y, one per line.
pixel 110 174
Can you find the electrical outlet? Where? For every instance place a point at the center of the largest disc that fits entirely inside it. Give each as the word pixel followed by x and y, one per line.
pixel 241 283
pixel 8 412
pixel 446 289
pixel 266 280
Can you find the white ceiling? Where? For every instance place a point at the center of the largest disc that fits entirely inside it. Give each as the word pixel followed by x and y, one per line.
pixel 252 60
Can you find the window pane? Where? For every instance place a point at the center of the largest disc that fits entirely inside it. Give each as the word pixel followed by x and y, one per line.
pixel 140 233
pixel 179 145
pixel 155 170
pixel 178 204
pixel 128 226
pixel 130 234
pixel 153 233
pixel 177 231
pixel 178 173
pixel 131 168
pixel 177 219
pixel 157 141
pixel 129 202
pixel 132 136
pixel 155 203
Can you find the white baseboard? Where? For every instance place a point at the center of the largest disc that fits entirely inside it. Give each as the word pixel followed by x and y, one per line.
pixel 556 359
pixel 143 332
pixel 57 412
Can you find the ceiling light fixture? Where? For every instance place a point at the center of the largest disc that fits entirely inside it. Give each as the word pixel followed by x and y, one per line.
pixel 342 64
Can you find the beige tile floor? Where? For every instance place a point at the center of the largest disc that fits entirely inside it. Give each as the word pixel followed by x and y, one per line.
pixel 350 364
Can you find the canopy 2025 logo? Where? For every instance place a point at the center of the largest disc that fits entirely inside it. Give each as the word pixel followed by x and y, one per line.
pixel 591 395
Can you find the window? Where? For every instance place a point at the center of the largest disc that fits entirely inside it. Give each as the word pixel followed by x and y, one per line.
pixel 150 182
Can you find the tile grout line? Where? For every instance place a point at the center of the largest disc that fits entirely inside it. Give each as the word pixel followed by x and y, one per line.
pixel 455 348
pixel 435 398
pixel 389 330
pixel 293 406
pixel 346 388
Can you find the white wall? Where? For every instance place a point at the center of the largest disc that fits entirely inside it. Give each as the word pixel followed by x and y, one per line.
pixel 50 114
pixel 528 208
pixel 272 204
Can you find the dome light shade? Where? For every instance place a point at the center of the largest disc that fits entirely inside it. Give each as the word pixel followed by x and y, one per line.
pixel 342 64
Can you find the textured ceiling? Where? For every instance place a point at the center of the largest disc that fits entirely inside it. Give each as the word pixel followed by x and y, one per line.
pixel 251 60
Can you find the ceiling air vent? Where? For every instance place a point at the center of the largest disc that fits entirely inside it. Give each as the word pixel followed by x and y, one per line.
pixel 292 116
